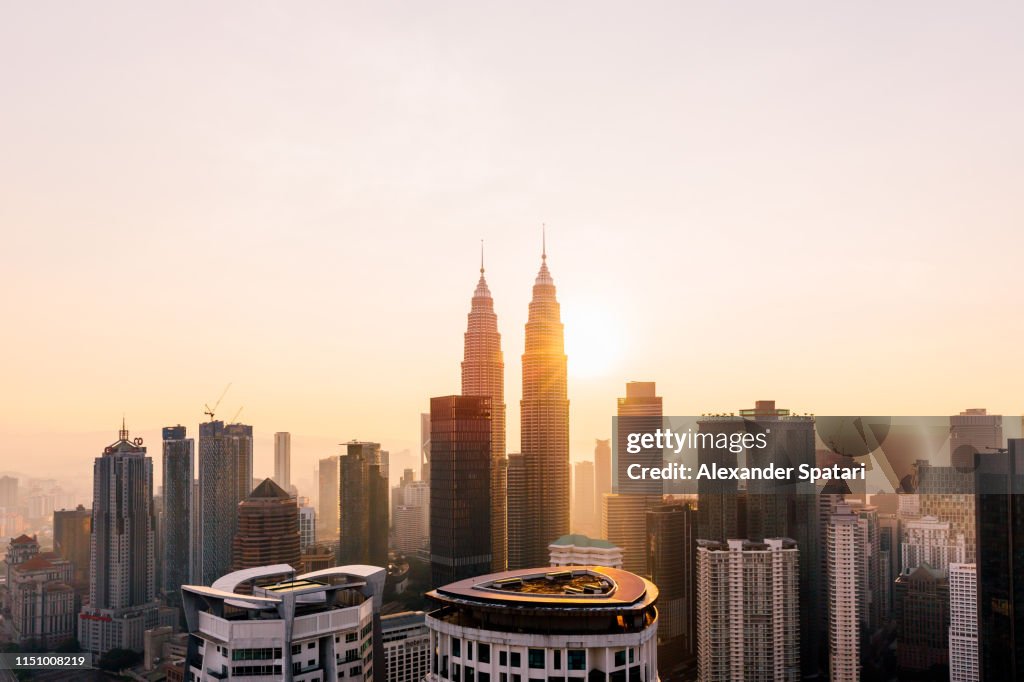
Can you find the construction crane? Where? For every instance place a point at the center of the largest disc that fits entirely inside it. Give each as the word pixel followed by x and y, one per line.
pixel 234 420
pixel 210 410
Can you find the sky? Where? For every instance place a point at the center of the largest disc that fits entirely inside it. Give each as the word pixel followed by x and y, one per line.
pixel 814 202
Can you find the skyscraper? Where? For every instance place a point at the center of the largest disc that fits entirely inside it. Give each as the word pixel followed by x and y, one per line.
pixel 425 446
pixel 483 374
pixel 624 522
pixel 518 506
pixel 363 504
pixel 268 529
pixel 225 479
pixel 8 491
pixel 844 567
pixel 178 463
pixel 747 610
pixel 584 509
pixel 283 460
pixel 602 469
pixel 460 487
pixel 963 623
pixel 671 546
pixel 544 427
pixel 999 484
pixel 122 589
pixel 327 515
pixel 922 619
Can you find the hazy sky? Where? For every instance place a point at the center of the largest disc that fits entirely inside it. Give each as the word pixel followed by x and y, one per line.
pixel 815 202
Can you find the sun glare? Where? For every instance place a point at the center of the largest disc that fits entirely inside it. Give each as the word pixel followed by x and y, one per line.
pixel 593 341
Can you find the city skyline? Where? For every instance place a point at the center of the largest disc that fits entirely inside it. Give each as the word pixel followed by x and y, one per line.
pixel 826 142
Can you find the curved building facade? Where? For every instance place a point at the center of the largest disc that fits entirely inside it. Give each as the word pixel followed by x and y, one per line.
pixel 590 624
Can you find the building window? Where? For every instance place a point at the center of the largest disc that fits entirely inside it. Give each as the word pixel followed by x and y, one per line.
pixel 456 670
pixel 483 653
pixel 620 658
pixel 470 674
pixel 535 658
pixel 577 659
pixel 634 674
pixel 310 645
pixel 469 651
pixel 516 661
pixel 456 647
pixel 503 659
pixel 351 636
pixel 484 677
pixel 558 659
pixel 631 652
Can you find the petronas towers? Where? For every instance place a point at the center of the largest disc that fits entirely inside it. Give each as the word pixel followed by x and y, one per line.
pixel 530 497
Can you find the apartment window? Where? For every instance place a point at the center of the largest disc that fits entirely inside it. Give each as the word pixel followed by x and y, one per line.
pixel 631 652
pixel 517 678
pixel 558 659
pixel 502 677
pixel 535 658
pixel 456 647
pixel 456 672
pixel 516 661
pixel 469 651
pixel 503 659
pixel 577 659
pixel 618 676
pixel 634 674
pixel 483 653
pixel 310 645
pixel 620 658
pixel 351 636
pixel 484 677
pixel 470 674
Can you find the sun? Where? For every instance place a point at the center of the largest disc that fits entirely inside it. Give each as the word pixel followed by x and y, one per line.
pixel 593 340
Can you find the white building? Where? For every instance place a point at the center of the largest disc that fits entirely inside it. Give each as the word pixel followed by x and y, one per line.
pixel 409 522
pixel 748 611
pixel 843 567
pixel 582 624
pixel 406 646
pixel 963 623
pixel 579 550
pixel 313 627
pixel 930 541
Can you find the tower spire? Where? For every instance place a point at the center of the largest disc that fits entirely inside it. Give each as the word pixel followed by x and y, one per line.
pixel 124 429
pixel 543 241
pixel 481 256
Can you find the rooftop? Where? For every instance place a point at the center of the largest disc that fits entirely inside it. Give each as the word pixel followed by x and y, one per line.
pixel 578 540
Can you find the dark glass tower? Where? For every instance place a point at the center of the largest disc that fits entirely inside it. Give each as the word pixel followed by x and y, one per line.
pixel 363 505
pixel 460 488
pixel 179 455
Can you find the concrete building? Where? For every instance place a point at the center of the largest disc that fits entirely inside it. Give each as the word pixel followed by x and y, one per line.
pixel 409 522
pixel 406 646
pixel 307 527
pixel 921 596
pixel 327 514
pixel 748 615
pixel 72 538
pixel 593 623
pixel 930 541
pixel 580 550
pixel 283 460
pixel 313 627
pixel 268 529
pixel 843 577
pixel 963 623
pixel 40 598
pixel 619 524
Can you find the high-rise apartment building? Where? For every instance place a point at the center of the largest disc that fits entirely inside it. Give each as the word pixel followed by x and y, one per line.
pixel 225 479
pixel 483 374
pixel 176 545
pixel 671 560
pixel 460 487
pixel 307 527
pixel 122 589
pixel 963 623
pixel 363 504
pixel 748 616
pixel 544 427
pixel 584 507
pixel 328 515
pixel 268 529
pixel 844 568
pixel 283 460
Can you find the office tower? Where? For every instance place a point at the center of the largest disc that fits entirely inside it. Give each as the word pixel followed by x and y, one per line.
pixel 483 374
pixel 544 426
pixel 518 506
pixel 963 623
pixel 930 541
pixel 624 522
pixel 425 446
pixel 225 479
pixel 307 527
pixel 328 514
pixel 844 561
pixel 717 498
pixel 268 529
pixel 323 625
pixel 122 588
pixel 39 597
pixel 922 618
pixel 972 431
pixel 461 458
pixel 283 460
pixel 619 525
pixel 671 548
pixel 584 510
pixel 8 491
pixel 579 550
pixel 363 504
pixel 196 540
pixel 999 485
pixel 72 537
pixel 406 646
pixel 592 623
pixel 748 616
pixel 602 470
pixel 178 458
